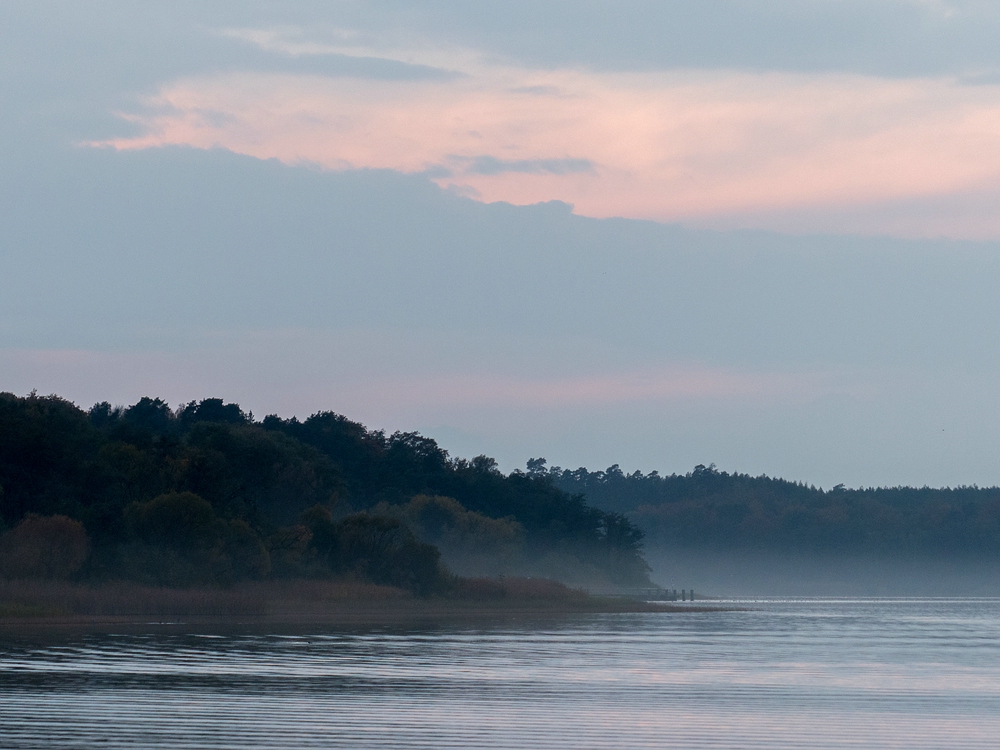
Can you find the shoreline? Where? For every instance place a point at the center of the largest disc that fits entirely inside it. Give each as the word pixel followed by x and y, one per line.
pixel 283 606
pixel 301 622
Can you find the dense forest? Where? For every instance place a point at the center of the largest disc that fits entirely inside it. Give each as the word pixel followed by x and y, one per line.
pixel 207 493
pixel 707 508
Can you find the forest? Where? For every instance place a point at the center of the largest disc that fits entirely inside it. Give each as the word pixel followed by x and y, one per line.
pixel 711 509
pixel 205 493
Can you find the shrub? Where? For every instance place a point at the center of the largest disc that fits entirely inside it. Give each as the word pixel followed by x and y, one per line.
pixel 178 540
pixel 49 547
pixel 247 555
pixel 382 550
pixel 471 542
pixel 290 551
pixel 177 519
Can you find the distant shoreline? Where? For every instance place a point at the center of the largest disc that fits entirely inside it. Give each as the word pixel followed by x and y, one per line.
pixel 29 606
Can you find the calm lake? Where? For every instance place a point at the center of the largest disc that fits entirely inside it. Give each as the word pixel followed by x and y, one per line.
pixel 778 674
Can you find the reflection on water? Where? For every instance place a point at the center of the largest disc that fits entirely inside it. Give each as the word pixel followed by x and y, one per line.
pixel 779 674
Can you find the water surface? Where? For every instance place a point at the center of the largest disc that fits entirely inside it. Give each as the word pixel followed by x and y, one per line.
pixel 778 674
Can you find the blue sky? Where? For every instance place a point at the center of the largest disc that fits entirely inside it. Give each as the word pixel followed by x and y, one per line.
pixel 655 234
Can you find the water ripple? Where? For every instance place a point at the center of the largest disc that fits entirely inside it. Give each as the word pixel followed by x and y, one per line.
pixel 780 674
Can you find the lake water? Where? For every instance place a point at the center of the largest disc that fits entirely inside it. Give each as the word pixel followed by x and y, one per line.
pixel 779 674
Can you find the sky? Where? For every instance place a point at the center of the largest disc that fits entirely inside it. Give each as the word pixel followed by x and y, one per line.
pixel 757 234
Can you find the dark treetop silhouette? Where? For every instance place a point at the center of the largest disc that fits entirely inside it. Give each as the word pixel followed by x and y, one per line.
pixel 208 494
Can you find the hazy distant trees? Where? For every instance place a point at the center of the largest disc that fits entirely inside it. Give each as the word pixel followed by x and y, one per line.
pixel 709 508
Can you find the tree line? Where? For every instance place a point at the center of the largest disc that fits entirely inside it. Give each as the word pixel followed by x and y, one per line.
pixel 709 508
pixel 205 492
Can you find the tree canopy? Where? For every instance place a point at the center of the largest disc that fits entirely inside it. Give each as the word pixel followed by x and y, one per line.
pixel 715 509
pixel 207 492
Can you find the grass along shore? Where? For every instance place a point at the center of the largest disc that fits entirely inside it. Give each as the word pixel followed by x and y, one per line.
pixel 29 604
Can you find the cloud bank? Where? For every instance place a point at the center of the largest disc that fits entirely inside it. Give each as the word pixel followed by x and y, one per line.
pixel 717 148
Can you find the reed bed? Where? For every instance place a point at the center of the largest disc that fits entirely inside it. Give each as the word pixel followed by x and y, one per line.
pixel 123 599
pixel 26 605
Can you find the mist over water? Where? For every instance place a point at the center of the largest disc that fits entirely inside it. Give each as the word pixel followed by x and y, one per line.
pixel 769 573
pixel 915 673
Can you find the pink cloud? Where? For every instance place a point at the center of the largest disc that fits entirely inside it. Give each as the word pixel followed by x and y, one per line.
pixel 689 146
